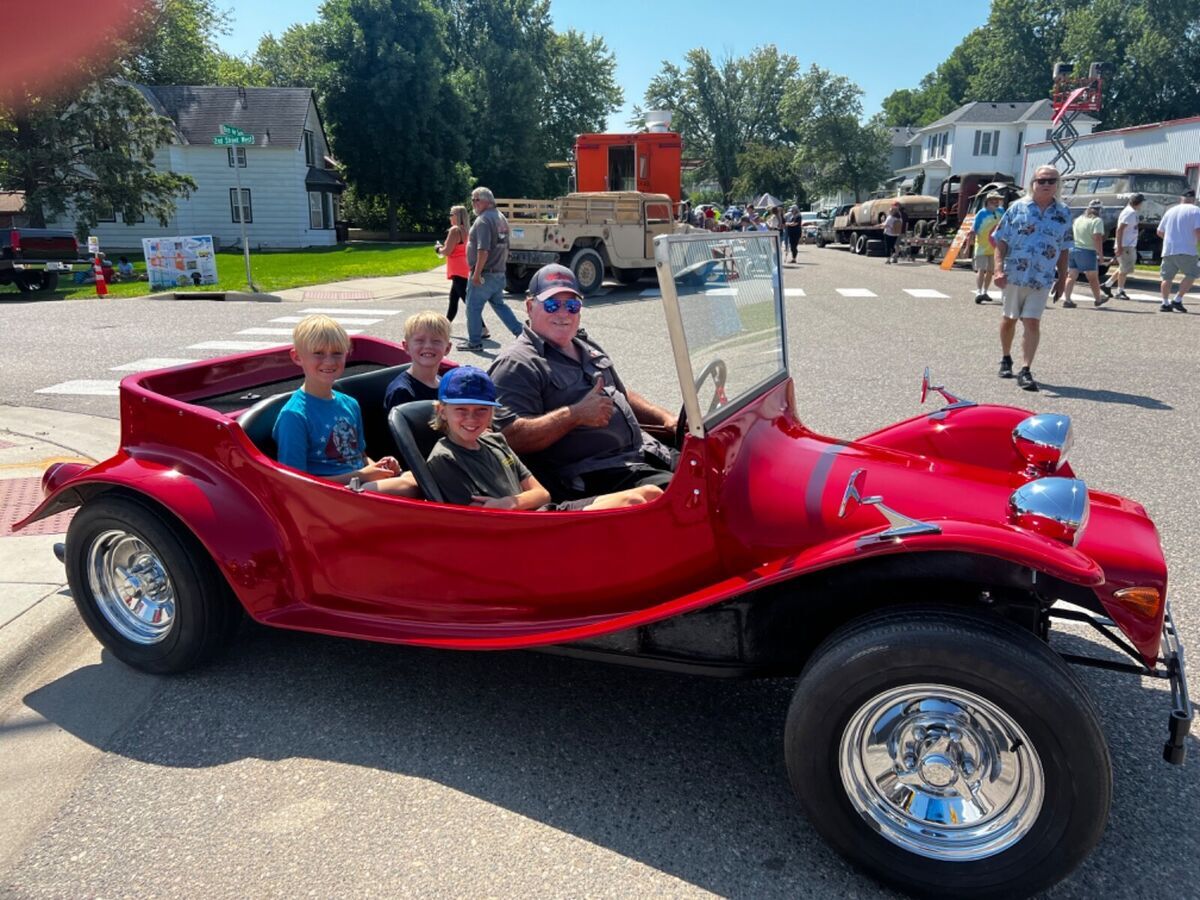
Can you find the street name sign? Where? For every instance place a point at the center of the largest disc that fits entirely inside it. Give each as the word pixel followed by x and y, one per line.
pixel 226 140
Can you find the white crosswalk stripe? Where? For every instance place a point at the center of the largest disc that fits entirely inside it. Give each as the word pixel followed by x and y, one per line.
pixel 794 292
pixel 926 292
pixel 84 387
pixel 236 346
pixel 856 292
pixel 350 312
pixel 341 320
pixel 286 331
pixel 153 362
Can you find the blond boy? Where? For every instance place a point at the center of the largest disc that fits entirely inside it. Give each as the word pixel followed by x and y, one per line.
pixel 320 430
pixel 426 341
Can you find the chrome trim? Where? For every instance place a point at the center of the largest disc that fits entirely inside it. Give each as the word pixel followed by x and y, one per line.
pixel 131 587
pixel 1054 507
pixel 899 525
pixel 941 772
pixel 1044 441
pixel 953 400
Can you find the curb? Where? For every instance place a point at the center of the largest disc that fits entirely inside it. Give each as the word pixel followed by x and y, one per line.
pixel 37 635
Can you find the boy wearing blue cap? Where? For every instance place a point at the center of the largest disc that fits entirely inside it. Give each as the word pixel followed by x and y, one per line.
pixel 474 466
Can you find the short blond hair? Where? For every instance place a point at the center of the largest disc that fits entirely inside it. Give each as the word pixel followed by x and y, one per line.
pixel 427 320
pixel 318 332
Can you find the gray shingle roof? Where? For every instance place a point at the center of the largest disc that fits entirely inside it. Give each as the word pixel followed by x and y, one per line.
pixel 986 113
pixel 901 135
pixel 274 115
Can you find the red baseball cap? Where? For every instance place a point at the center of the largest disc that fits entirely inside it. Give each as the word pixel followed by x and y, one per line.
pixel 552 280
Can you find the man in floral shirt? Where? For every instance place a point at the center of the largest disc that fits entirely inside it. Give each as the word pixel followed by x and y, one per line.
pixel 1033 241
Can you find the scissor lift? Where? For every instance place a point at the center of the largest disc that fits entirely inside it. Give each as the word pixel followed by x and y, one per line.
pixel 1070 97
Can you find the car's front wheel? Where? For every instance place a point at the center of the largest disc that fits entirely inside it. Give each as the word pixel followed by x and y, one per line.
pixel 941 751
pixel 146 587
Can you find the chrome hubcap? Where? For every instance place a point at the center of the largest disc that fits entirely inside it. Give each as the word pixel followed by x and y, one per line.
pixel 131 586
pixel 941 772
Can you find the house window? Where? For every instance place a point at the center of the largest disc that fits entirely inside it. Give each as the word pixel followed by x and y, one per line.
pixel 1020 140
pixel 310 155
pixel 240 154
pixel 138 221
pixel 315 213
pixel 987 143
pixel 106 213
pixel 246 209
pixel 1190 172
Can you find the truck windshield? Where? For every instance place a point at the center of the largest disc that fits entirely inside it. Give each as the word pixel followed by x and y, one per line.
pixel 723 297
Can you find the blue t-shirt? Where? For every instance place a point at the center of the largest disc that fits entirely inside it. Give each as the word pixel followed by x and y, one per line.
pixel 1035 238
pixel 404 389
pixel 321 437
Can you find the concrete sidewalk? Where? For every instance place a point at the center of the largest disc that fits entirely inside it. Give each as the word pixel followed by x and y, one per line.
pixel 36 613
pixel 431 284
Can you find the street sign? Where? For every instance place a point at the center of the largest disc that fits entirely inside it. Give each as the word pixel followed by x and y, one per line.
pixel 229 129
pixel 227 140
pixel 93 243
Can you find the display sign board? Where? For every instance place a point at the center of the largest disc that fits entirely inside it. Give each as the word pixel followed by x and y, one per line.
pixel 93 245
pixel 180 261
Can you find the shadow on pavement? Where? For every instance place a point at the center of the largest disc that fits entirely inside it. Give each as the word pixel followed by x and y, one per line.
pixel 1102 396
pixel 684 774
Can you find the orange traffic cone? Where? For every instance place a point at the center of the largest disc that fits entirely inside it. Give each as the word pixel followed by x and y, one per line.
pixel 101 286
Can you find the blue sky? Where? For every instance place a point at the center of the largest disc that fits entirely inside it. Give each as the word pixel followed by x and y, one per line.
pixel 880 45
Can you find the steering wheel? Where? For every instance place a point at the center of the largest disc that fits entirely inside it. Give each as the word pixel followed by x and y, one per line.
pixel 718 372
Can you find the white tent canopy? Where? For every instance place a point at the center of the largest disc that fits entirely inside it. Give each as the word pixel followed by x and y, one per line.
pixel 766 201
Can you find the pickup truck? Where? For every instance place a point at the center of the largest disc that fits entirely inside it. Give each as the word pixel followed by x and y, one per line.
pixel 33 258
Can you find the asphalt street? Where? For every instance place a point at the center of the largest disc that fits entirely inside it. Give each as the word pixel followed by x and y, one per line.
pixel 303 765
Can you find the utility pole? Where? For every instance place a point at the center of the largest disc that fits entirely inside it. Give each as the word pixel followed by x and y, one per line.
pixel 235 137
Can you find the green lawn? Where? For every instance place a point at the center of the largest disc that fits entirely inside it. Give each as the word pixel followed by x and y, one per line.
pixel 275 270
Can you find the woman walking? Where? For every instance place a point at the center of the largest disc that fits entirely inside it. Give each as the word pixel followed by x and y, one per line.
pixel 454 249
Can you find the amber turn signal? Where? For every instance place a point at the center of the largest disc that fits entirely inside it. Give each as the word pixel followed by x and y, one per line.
pixel 1145 601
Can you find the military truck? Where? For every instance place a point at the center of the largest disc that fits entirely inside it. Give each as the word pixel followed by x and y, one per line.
pixel 593 234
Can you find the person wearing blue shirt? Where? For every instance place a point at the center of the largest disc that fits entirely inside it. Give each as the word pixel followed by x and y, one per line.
pixel 1033 241
pixel 982 227
pixel 320 430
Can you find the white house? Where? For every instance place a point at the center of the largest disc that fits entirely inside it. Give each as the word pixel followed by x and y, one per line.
pixel 289 192
pixel 1173 146
pixel 980 137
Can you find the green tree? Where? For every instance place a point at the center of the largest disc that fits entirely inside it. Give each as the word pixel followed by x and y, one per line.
pixel 721 109
pixel 771 169
pixel 296 58
pixel 175 42
pixel 581 92
pixel 239 70
pixel 90 154
pixel 836 151
pixel 391 113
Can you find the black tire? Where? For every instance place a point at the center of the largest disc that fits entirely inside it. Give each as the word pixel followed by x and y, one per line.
pixel 862 245
pixel 205 613
pixel 588 267
pixel 516 280
pixel 25 283
pixel 821 243
pixel 922 228
pixel 48 281
pixel 916 653
pixel 853 242
pixel 875 247
pixel 629 276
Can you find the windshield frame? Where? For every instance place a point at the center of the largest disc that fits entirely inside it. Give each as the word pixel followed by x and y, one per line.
pixel 697 422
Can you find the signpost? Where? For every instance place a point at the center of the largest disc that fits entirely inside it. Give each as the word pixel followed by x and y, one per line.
pixel 235 137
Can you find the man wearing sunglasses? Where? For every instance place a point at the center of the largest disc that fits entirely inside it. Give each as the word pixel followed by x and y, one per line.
pixel 1033 241
pixel 565 410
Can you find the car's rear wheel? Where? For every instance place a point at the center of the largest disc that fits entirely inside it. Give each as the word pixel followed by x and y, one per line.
pixel 146 588
pixel 935 748
pixel 48 281
pixel 853 242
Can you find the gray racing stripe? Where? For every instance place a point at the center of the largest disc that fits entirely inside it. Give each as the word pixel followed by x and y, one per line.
pixel 815 488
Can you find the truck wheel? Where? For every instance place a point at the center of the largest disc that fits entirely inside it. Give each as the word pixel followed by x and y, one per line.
pixel 588 268
pixel 146 588
pixel 936 748
pixel 629 276
pixel 48 281
pixel 862 245
pixel 921 229
pixel 853 242
pixel 516 280
pixel 25 283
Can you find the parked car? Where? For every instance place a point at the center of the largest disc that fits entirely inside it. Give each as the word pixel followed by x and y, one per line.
pixel 33 258
pixel 909 578
pixel 834 226
pixel 1113 187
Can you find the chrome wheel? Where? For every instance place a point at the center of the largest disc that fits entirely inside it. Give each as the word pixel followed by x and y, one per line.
pixel 131 587
pixel 941 772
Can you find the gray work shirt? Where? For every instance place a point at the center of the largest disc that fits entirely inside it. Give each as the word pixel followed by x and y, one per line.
pixel 490 233
pixel 533 377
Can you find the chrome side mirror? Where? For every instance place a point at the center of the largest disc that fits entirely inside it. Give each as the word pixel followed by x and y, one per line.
pixel 1044 441
pixel 953 401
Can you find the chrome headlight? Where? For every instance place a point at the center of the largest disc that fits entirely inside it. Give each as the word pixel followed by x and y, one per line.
pixel 1044 441
pixel 1054 507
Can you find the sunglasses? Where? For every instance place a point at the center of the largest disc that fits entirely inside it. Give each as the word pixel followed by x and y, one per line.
pixel 1045 181
pixel 553 305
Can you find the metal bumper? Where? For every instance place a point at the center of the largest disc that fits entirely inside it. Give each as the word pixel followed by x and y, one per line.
pixel 49 266
pixel 1180 722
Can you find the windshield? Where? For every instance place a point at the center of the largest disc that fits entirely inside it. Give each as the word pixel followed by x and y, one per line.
pixel 1160 184
pixel 723 298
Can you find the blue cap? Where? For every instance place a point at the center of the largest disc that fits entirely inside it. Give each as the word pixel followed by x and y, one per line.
pixel 467 386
